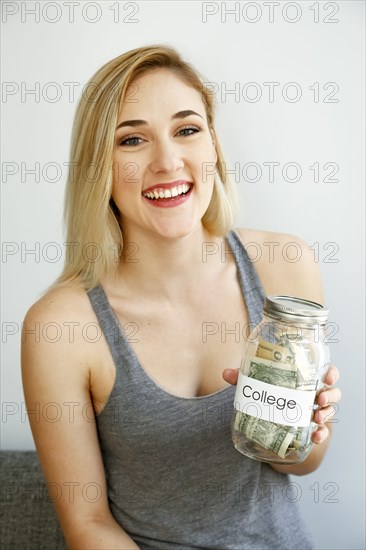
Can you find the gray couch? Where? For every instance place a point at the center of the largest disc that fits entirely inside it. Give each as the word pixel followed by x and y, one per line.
pixel 28 518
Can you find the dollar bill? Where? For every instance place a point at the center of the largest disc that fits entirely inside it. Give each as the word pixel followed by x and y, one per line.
pixel 290 351
pixel 301 440
pixel 271 372
pixel 302 358
pixel 271 436
pixel 274 352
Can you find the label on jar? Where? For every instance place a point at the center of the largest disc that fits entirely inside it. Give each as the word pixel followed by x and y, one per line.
pixel 274 403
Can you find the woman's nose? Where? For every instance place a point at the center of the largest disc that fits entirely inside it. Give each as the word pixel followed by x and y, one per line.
pixel 166 157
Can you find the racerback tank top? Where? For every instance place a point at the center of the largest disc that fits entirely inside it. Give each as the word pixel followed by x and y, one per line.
pixel 174 479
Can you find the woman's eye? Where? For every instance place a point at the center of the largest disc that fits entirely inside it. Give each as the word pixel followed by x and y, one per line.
pixel 131 141
pixel 188 131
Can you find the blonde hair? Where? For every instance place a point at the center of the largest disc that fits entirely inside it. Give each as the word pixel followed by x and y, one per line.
pixel 90 215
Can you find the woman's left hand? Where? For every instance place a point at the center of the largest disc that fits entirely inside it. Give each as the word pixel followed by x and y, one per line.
pixel 326 400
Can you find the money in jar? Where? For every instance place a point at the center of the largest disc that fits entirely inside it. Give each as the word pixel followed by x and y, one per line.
pixel 281 373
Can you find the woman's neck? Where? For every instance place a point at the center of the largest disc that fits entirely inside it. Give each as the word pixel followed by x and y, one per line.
pixel 165 267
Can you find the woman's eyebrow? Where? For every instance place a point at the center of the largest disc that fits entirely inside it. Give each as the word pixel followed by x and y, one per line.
pixel 183 114
pixel 139 122
pixel 131 123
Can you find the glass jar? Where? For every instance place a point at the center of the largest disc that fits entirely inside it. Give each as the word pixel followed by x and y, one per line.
pixel 280 376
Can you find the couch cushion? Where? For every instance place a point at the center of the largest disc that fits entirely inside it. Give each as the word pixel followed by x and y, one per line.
pixel 28 518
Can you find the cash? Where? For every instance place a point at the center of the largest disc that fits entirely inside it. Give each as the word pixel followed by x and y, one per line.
pixel 271 436
pixel 274 352
pixel 285 364
pixel 279 374
pixel 305 363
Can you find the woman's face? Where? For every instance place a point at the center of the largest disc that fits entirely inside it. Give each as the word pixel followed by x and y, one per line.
pixel 164 157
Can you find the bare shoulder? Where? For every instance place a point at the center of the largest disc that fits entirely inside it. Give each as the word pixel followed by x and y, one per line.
pixel 285 263
pixel 62 311
pixel 59 303
pixel 259 236
pixel 60 324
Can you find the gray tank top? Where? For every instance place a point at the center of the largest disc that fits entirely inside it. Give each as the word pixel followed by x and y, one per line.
pixel 174 479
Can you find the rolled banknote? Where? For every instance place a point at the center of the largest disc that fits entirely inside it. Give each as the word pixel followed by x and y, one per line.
pixel 304 361
pixel 274 352
pixel 271 436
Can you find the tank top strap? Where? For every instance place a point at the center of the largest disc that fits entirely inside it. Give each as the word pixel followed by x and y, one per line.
pixel 110 325
pixel 248 277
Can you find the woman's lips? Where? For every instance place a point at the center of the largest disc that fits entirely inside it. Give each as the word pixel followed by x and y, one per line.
pixel 166 192
pixel 179 195
pixel 168 185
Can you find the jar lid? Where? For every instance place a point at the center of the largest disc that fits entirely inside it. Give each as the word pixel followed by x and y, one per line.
pixel 295 309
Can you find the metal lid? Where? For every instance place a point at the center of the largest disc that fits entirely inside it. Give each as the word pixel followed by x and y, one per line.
pixel 291 308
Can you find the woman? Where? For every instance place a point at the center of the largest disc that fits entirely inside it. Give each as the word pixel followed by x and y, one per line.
pixel 145 388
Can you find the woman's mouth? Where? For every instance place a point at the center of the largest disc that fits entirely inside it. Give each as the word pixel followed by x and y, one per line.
pixel 171 195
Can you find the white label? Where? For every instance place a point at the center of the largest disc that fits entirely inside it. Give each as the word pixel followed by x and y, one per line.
pixel 274 403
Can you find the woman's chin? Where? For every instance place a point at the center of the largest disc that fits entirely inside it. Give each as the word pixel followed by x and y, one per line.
pixel 177 231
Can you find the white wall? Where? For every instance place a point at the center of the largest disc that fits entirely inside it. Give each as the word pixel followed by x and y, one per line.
pixel 230 53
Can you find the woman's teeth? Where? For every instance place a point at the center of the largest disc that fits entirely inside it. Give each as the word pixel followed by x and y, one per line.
pixel 160 193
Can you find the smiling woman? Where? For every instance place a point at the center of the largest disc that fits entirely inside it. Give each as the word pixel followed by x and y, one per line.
pixel 148 175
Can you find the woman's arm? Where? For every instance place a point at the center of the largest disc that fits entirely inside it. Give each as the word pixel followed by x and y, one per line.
pixel 281 275
pixel 55 378
pixel 101 535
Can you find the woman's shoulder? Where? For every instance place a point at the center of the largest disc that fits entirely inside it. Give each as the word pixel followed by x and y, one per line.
pixel 60 318
pixel 286 264
pixel 268 239
pixel 58 331
pixel 59 304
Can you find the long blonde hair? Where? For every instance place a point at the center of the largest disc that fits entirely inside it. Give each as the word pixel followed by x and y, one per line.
pixel 90 215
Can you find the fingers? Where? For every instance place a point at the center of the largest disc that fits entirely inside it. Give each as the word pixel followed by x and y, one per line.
pixel 333 395
pixel 320 435
pixel 324 415
pixel 231 375
pixel 332 375
pixel 326 398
